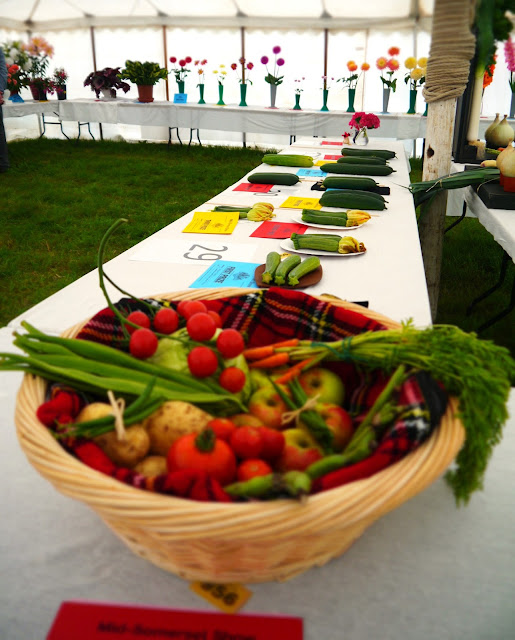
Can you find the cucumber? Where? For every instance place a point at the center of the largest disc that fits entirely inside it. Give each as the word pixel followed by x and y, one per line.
pixel 357 169
pixel 381 153
pixel 273 178
pixel 362 160
pixel 284 268
pixel 287 160
pixel 273 259
pixel 352 199
pixel 349 182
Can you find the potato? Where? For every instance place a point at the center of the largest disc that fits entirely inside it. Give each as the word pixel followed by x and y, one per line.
pixel 127 452
pixel 94 411
pixel 152 466
pixel 171 421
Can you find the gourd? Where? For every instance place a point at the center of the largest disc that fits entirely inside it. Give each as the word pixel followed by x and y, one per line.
pixel 350 218
pixel 362 159
pixel 273 260
pixel 273 178
pixel 357 169
pixel 288 160
pixel 381 153
pixel 306 266
pixel 361 183
pixel 285 267
pixel 353 198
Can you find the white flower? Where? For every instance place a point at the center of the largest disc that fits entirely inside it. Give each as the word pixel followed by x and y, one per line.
pixel 13 52
pixel 26 66
pixel 9 61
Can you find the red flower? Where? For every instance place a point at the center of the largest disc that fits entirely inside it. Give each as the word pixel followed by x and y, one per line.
pixel 234 66
pixel 173 59
pixel 394 51
pixel 188 60
pixel 182 63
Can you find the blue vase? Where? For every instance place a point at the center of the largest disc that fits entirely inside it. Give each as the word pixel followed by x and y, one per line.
pixel 15 97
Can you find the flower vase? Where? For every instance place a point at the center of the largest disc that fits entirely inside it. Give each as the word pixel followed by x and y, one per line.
pixel 38 94
pixel 386 98
pixel 243 95
pixel 412 101
pixel 273 94
pixel 297 102
pixel 108 94
pixel 325 95
pixel 512 106
pixel 61 93
pixel 221 102
pixel 15 97
pixel 201 92
pixel 425 112
pixel 145 93
pixel 361 137
pixel 180 84
pixel 352 96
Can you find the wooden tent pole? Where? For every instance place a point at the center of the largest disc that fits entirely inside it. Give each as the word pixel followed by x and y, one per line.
pixel 326 38
pixel 242 34
pixel 439 137
pixel 94 54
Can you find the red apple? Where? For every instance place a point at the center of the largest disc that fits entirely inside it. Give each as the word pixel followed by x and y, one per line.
pixel 299 452
pixel 267 405
pixel 339 421
pixel 324 383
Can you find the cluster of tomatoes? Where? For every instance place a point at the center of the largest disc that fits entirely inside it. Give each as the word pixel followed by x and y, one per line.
pixel 201 325
pixel 227 452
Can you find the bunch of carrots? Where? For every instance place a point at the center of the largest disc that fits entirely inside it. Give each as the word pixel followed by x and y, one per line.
pixel 276 356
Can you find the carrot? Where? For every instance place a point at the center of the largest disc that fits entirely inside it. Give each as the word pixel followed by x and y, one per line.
pixel 294 371
pixel 275 360
pixel 256 353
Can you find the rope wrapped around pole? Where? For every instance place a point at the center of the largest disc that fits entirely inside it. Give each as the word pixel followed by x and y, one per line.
pixel 452 49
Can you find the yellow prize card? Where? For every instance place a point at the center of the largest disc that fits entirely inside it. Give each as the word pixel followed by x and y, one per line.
pixel 212 222
pixel 301 203
pixel 227 597
pixel 319 163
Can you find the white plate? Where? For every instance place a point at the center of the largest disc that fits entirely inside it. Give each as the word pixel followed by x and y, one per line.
pixel 325 226
pixel 287 245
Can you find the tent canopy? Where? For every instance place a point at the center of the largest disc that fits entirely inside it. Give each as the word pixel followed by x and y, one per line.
pixel 45 15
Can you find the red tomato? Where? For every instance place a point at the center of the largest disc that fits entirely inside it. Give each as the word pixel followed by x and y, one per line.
pixel 273 443
pixel 223 427
pixel 192 307
pixel 232 379
pixel 202 362
pixel 203 452
pixel 139 318
pixel 216 318
pixel 200 326
pixel 181 306
pixel 166 320
pixel 230 343
pixel 246 442
pixel 251 468
pixel 143 343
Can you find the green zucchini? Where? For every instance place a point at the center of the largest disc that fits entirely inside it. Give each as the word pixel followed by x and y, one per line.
pixel 357 169
pixel 350 182
pixel 362 160
pixel 273 260
pixel 352 199
pixel 381 153
pixel 306 266
pixel 285 267
pixel 273 178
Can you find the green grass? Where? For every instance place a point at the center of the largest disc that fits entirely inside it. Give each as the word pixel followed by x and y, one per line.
pixel 59 198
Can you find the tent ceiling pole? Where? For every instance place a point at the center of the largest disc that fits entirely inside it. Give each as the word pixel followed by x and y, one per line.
pixel 326 38
pixel 94 54
pixel 242 34
pixel 165 51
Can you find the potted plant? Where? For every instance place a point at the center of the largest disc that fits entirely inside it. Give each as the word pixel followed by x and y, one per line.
pixel 106 81
pixel 40 87
pixel 144 75
pixel 18 65
pixel 59 79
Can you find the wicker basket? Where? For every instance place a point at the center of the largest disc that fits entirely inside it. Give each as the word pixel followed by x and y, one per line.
pixel 245 542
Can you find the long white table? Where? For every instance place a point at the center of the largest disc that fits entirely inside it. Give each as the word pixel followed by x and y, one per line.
pixel 426 571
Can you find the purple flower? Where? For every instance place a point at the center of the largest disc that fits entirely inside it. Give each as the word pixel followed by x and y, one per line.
pixel 264 60
pixel 280 62
pixel 276 50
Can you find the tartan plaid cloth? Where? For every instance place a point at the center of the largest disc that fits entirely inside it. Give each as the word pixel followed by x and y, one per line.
pixel 266 316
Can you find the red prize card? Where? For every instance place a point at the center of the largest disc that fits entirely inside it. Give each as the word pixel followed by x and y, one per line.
pixel 258 188
pixel 332 157
pixel 336 144
pixel 98 621
pixel 278 230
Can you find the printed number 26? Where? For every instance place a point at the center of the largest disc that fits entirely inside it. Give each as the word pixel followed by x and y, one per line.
pixel 209 255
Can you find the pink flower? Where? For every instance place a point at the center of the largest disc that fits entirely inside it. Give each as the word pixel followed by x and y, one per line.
pixel 264 60
pixel 509 54
pixel 173 59
pixel 182 63
pixel 276 50
pixel 250 66
pixel 361 119
pixel 280 62
pixel 204 62
pixel 381 63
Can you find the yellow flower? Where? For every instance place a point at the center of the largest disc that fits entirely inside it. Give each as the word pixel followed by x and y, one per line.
pixel 410 63
pixel 416 74
pixel 222 66
pixel 422 62
pixel 224 73
pixel 215 71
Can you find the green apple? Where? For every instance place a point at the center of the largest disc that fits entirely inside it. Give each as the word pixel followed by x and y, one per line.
pixel 300 450
pixel 324 383
pixel 259 379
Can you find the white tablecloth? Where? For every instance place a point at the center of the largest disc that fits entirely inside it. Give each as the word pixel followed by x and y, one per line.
pixel 426 571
